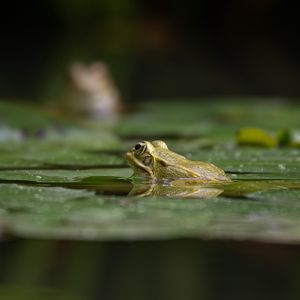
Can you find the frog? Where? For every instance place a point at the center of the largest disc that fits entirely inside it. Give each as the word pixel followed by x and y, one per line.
pixel 155 162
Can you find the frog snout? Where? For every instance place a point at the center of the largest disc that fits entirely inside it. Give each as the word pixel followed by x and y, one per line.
pixel 128 155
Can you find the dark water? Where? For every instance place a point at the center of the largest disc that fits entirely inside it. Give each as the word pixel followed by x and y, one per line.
pixel 112 185
pixel 174 269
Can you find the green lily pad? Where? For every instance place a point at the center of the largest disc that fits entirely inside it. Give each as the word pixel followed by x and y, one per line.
pixel 43 155
pixel 283 163
pixel 207 118
pixel 12 115
pixel 73 147
pixel 54 212
pixel 59 176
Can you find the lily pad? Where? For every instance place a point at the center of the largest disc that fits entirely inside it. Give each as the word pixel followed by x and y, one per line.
pixel 283 163
pixel 73 147
pixel 48 212
pixel 208 118
pixel 58 175
pixel 41 156
pixel 12 115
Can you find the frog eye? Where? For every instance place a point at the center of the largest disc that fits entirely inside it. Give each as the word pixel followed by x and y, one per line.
pixel 147 161
pixel 140 148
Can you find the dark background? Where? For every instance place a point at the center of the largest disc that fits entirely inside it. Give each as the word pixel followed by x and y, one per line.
pixel 156 49
pixel 147 270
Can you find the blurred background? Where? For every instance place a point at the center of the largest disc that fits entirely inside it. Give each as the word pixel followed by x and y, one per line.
pixel 155 49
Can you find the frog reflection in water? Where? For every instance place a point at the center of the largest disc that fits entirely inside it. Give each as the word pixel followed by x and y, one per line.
pixel 155 162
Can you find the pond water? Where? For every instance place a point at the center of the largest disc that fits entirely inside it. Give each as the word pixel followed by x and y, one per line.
pixel 172 269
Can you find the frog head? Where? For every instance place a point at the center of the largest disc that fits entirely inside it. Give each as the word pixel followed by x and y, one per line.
pixel 142 159
pixel 155 160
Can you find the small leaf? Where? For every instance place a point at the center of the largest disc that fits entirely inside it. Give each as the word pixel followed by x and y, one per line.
pixel 255 137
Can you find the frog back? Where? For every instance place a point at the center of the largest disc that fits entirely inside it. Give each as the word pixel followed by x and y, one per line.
pixel 176 166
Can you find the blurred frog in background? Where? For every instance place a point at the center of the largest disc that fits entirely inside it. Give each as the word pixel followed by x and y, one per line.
pixel 92 93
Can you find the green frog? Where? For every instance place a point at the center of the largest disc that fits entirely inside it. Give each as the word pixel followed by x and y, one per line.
pixel 154 161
